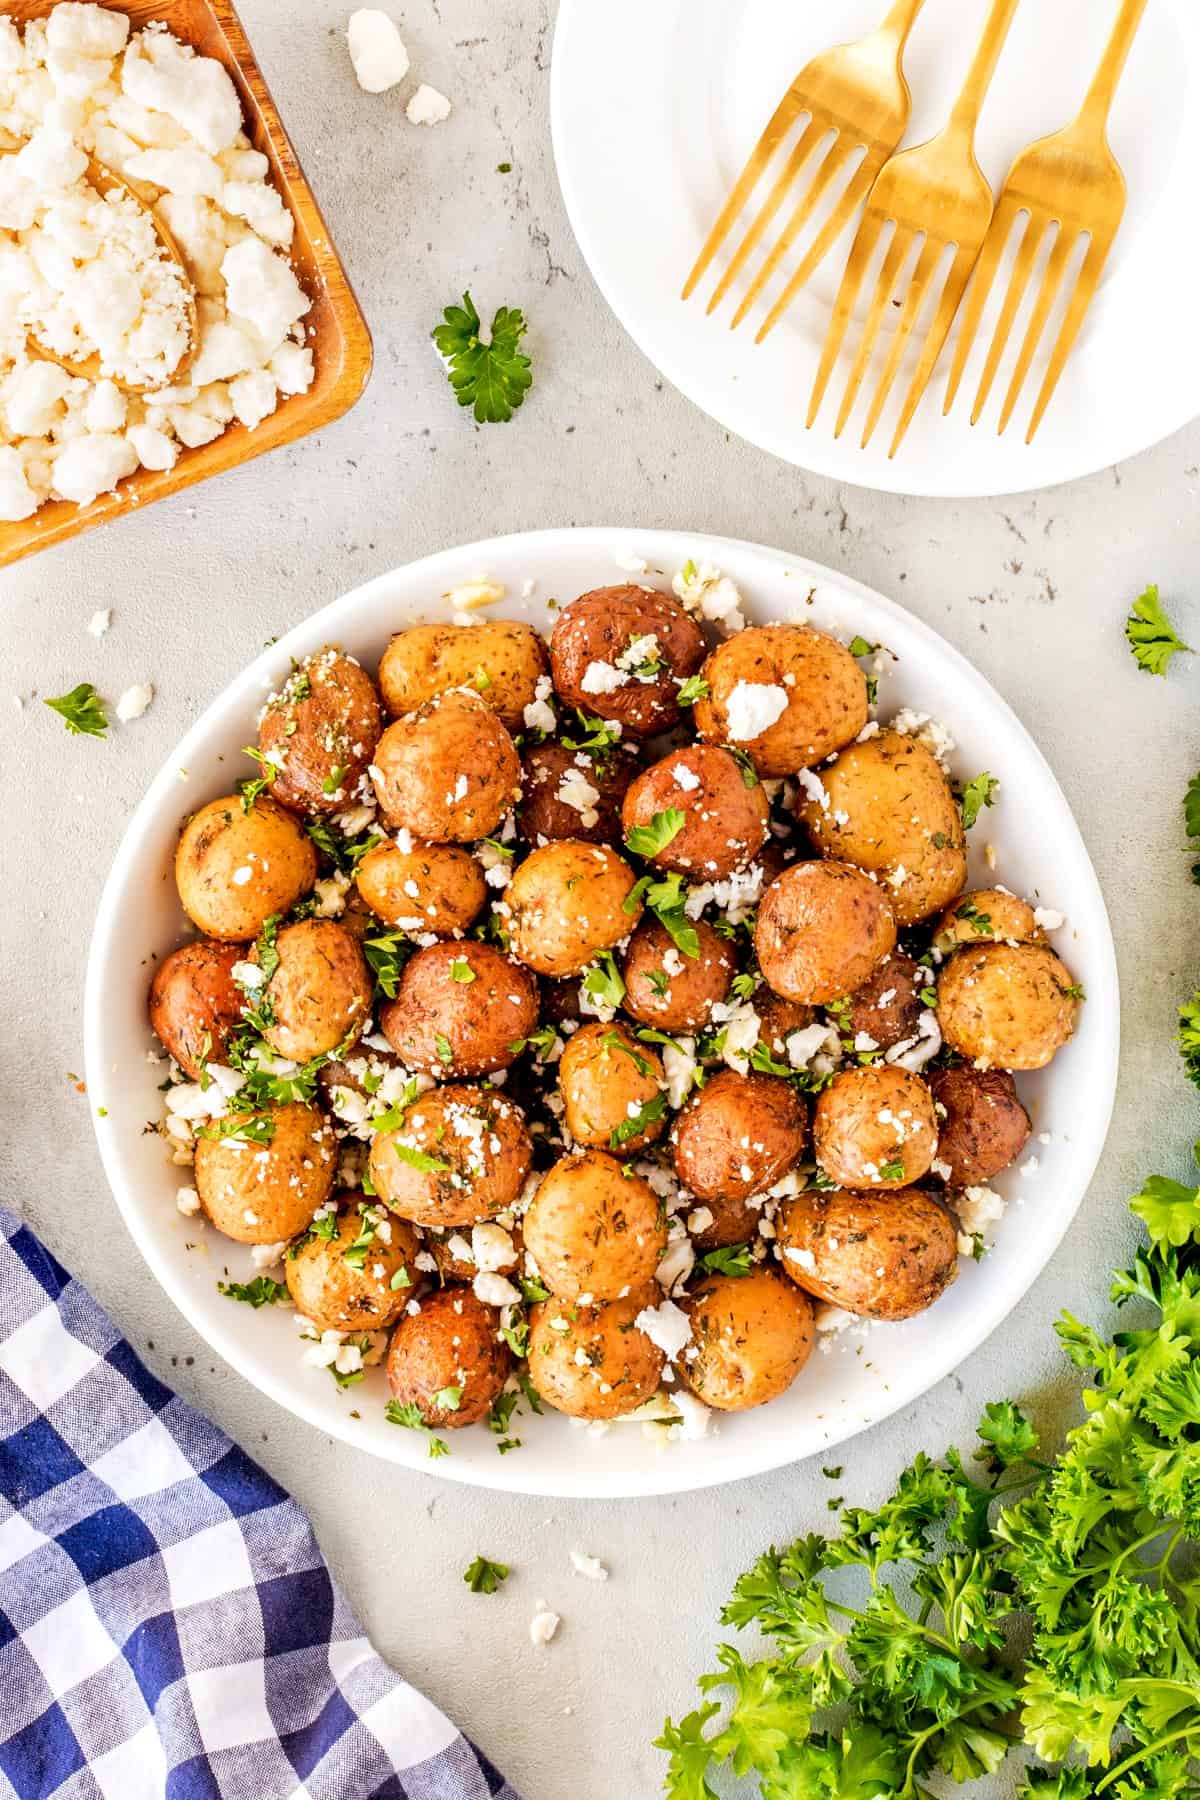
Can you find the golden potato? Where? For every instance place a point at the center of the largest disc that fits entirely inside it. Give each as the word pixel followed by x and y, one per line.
pixel 825 688
pixel 448 1360
pixel 887 1008
pixel 669 990
pixel 448 772
pixel 982 1126
pixel 984 916
pixel 361 1278
pixel 739 1135
pixel 875 1127
pixel 612 1088
pixel 320 992
pixel 567 904
pixel 195 1004
pixel 461 1009
pixel 266 1186
pixel 594 1228
pixel 460 1156
pixel 822 929
pixel 594 788
pixel 428 887
pixel 621 653
pixel 722 823
pixel 886 1256
pixel 1007 1006
pixel 591 1361
pixel 501 659
pixel 236 866
pixel 887 807
pixel 319 733
pixel 752 1334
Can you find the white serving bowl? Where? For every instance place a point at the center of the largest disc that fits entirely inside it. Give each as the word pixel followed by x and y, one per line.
pixel 1038 852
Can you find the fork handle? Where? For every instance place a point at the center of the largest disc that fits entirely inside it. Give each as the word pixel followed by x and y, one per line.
pixel 900 21
pixel 1101 93
pixel 983 66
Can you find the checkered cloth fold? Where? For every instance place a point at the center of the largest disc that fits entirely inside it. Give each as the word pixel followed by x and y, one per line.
pixel 168 1627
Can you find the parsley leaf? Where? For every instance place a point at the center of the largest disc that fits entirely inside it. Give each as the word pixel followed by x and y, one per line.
pixel 484 1576
pixel 603 981
pixel 493 377
pixel 1152 637
pixel 420 1159
pixel 640 1121
pixel 257 1130
pixel 1189 1037
pixel 262 1291
pixel 1169 1210
pixel 651 839
pixel 82 711
pixel 976 795
pixel 731 1259
pixel 693 689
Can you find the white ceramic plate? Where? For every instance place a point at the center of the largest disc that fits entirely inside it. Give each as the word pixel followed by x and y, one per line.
pixel 655 109
pixel 1039 852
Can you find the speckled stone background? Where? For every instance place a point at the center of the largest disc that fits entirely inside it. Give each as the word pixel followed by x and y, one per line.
pixel 1033 589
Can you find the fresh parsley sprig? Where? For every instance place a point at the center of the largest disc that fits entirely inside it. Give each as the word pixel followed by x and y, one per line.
pixel 82 711
pixel 493 376
pixel 1152 637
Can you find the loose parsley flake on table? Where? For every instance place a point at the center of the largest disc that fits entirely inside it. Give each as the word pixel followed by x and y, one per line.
pixel 82 711
pixel 493 377
pixel 1152 637
pixel 484 1576
pixel 976 795
pixel 262 1291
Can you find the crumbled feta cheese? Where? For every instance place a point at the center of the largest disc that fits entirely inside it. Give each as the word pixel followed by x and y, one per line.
pixel 427 106
pixel 134 702
pixel 1046 919
pixel 927 731
pixel 539 713
pixel 694 1417
pixel 701 588
pixel 666 1325
pixel 495 1290
pixel 376 50
pixel 603 678
pixel 188 1201
pixel 589 1566
pixel 543 1624
pixel 752 708
pixel 99 622
pixel 814 787
pixel 804 1259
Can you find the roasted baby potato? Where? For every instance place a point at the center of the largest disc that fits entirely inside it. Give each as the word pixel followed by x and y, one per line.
pixel 459 1010
pixel 568 903
pixel 886 1256
pixel 500 659
pixel 669 990
pixel 1007 1006
pixel 448 772
pixel 875 1127
pixel 887 1008
pixel 825 690
pixel 460 1155
pixel 573 794
pixel 984 916
pixel 320 992
pixel 500 1247
pixel 779 1020
pixel 739 1135
pixel 319 733
pixel 591 1361
pixel 266 1186
pixel 621 653
pixel 721 824
pixel 888 808
pixel 822 929
pixel 594 1228
pixel 720 1222
pixel 751 1337
pixel 235 866
pixel 428 887
pixel 982 1126
pixel 448 1360
pixel 612 1088
pixel 360 1278
pixel 195 1004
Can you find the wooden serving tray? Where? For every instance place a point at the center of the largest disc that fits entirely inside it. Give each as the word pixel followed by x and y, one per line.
pixel 337 331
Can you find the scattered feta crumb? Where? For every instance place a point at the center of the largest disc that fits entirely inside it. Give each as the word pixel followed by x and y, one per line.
pixel 427 106
pixel 134 702
pixel 589 1566
pixel 1046 919
pixel 376 50
pixel 752 708
pixel 100 621
pixel 666 1325
pixel 543 1624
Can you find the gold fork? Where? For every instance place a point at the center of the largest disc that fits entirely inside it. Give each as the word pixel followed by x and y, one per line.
pixel 935 195
pixel 1073 181
pixel 858 93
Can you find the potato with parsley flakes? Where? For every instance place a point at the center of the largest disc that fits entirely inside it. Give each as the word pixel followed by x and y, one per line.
pixel 319 732
pixel 623 653
pixel 882 1255
pixel 461 1008
pixel 669 990
pixel 573 793
pixel 1007 1006
pixel 459 1155
pixel 592 1362
pixel 569 902
pixel 694 811
pixel 447 773
pixel 612 1088
pixel 594 1227
pixel 875 1127
pixel 235 866
pixel 810 684
pixel 985 916
pixel 738 1135
pixel 887 1008
pixel 501 660
pixel 262 1175
pixel 448 1360
pixel 195 1003
pixel 353 1269
pixel 982 1126
pixel 721 1221
pixel 821 931
pixel 318 993
pixel 751 1336
pixel 426 887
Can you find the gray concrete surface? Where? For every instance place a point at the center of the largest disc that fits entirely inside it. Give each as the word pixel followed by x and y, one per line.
pixel 1034 590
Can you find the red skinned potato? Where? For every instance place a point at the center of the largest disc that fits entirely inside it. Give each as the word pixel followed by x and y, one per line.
pixel 738 1136
pixel 594 1228
pixel 599 633
pixel 721 823
pixel 195 1004
pixel 264 1188
pixel 428 887
pixel 320 992
pixel 447 773
pixel 824 689
pixel 822 930
pixel 591 1361
pixel 982 1126
pixel 501 659
pixel 573 794
pixel 668 989
pixel 1007 1006
pixel 459 1156
pixel 887 1008
pixel 448 1360
pixel 882 1255
pixel 319 733
pixel 567 905
pixel 447 1026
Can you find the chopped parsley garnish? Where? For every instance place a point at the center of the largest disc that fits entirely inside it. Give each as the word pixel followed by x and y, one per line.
pixel 666 897
pixel 461 971
pixel 928 996
pixel 481 680
pixel 82 711
pixel 484 1576
pixel 262 1291
pixel 541 1042
pixel 1152 637
pixel 613 1040
pixel 409 1415
pixel 445 1053
pixel 492 377
pixel 401 1279
pixel 356 1253
pixel 693 689
pixel 600 738
pixel 448 1399
pixel 652 839
pixel 980 922
pixel 860 647
pixel 259 1130
pixel 266 948
pixel 976 795
pixel 743 986
pixel 1074 992
pixel 640 1121
pixel 343 852
pixel 603 982
pixel 386 954
pixel 834 1474
pixel 250 787
pixel 892 1171
pixel 749 772
pixel 420 1159
pixel 335 778
pixel 532 1290
pixel 730 1259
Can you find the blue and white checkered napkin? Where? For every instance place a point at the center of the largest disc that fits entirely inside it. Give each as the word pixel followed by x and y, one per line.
pixel 168 1628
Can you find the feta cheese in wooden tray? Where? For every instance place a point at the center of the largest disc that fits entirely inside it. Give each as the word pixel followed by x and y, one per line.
pixel 170 304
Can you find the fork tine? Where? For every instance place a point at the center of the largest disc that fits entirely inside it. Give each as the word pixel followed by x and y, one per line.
pixel 861 252
pixel 952 293
pixel 777 127
pixel 1035 233
pixel 927 262
pixel 1007 212
pixel 856 191
pixel 1056 265
pixel 808 140
pixel 893 261
pixel 1081 299
pixel 839 153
